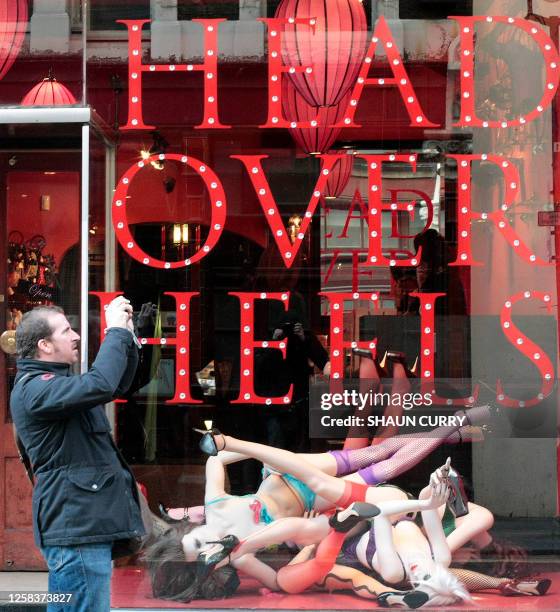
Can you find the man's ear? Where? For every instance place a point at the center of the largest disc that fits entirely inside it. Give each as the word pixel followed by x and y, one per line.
pixel 44 346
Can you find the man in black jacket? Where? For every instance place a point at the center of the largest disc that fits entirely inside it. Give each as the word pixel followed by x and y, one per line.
pixel 288 426
pixel 85 498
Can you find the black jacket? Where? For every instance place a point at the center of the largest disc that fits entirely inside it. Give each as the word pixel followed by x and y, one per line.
pixel 84 490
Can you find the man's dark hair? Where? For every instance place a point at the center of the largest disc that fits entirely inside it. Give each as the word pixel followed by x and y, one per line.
pixel 34 326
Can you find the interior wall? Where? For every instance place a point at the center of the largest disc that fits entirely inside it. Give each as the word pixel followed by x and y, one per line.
pixel 60 224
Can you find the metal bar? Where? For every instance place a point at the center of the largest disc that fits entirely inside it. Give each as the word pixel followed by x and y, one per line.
pixel 110 242
pixel 84 243
pixel 68 114
pixel 110 250
pixel 84 50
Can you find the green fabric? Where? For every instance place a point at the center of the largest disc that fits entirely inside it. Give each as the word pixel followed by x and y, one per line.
pixel 448 522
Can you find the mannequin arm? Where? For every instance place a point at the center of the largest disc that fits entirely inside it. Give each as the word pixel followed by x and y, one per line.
pixel 436 537
pixel 216 473
pixel 404 506
pixel 432 522
pixel 251 566
pixel 299 530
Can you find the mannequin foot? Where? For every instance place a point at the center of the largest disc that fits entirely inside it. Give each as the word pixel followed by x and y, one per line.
pixel 467 433
pixel 479 415
pixel 168 518
pixel 208 443
pixel 220 550
pixel 398 357
pixel 404 599
pixel 345 520
pixel 525 587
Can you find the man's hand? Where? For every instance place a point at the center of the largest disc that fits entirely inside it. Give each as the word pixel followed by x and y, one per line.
pixel 299 331
pixel 146 318
pixel 119 313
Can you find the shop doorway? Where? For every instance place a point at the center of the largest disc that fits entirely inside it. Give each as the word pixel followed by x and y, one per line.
pixel 40 220
pixel 56 180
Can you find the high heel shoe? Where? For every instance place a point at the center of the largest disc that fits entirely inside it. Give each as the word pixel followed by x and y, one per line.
pixel 467 433
pixel 365 354
pixel 402 599
pixel 458 500
pixel 207 443
pixel 168 518
pixel 479 415
pixel 525 586
pixel 212 557
pixel 398 357
pixel 344 520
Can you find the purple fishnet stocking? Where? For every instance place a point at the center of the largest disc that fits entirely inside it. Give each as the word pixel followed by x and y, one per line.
pixel 396 455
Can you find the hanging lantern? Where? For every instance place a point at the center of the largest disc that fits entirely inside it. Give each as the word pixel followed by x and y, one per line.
pixel 13 23
pixel 339 175
pixel 318 139
pixel 49 92
pixel 335 47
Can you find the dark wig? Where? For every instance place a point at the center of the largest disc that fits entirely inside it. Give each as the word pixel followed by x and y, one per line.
pixel 174 578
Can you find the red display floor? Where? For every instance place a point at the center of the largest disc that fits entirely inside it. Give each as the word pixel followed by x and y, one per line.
pixel 131 589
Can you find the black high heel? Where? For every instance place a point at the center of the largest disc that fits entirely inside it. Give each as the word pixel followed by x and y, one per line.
pixel 211 559
pixel 365 354
pixel 410 599
pixel 458 500
pixel 207 443
pixel 398 357
pixel 344 520
pixel 169 519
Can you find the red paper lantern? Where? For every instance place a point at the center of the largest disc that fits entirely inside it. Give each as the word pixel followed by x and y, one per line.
pixel 335 49
pixel 339 175
pixel 317 139
pixel 13 23
pixel 49 92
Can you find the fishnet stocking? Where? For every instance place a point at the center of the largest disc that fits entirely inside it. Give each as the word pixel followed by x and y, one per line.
pixel 474 581
pixel 396 455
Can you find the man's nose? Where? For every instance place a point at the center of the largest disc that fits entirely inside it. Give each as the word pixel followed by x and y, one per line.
pixel 76 336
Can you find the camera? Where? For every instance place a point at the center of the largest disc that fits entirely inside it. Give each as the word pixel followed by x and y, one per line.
pixel 288 328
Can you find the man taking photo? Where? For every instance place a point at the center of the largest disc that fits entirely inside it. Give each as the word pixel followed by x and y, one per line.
pixel 85 498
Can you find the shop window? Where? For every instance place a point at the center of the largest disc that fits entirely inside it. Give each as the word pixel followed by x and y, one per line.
pixel 103 14
pixel 272 5
pixel 207 9
pixel 434 9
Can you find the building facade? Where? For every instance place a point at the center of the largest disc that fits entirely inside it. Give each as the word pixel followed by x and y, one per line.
pixel 220 161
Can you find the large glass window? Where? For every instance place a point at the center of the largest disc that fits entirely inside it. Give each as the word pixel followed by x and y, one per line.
pixel 402 241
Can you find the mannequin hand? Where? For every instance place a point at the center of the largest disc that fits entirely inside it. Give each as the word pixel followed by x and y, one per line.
pixel 439 494
pixel 440 476
pixel 278 334
pixel 118 313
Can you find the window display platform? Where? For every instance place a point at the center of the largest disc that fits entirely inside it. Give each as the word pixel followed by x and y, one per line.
pixel 131 590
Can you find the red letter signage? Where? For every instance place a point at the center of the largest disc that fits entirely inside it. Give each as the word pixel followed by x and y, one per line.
pixel 209 68
pixel 217 221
